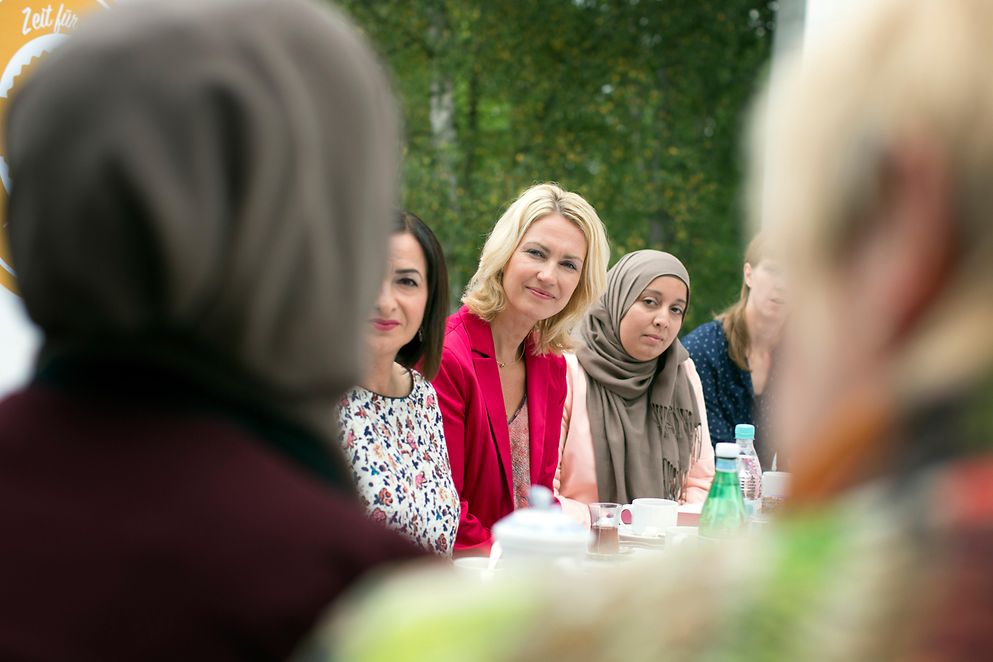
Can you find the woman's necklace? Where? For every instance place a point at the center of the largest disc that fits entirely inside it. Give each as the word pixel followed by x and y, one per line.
pixel 520 355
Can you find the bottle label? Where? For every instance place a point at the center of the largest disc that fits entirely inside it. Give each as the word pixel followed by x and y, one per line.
pixel 726 464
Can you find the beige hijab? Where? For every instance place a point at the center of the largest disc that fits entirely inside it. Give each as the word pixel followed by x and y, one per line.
pixel 643 414
pixel 207 185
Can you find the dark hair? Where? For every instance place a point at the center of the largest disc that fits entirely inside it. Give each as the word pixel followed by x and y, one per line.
pixel 425 348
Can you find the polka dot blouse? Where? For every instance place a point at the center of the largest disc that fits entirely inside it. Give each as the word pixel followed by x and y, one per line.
pixel 727 389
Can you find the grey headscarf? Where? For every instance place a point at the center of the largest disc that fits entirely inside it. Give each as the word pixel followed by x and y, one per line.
pixel 207 185
pixel 643 414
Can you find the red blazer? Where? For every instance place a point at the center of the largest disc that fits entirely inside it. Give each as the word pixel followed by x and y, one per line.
pixel 476 430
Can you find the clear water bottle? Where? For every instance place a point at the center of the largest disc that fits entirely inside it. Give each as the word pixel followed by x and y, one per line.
pixel 749 467
pixel 723 515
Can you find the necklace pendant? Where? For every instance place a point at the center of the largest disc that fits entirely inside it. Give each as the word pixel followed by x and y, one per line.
pixel 500 364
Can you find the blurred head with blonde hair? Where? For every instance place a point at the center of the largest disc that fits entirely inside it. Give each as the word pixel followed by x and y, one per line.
pixel 878 153
pixel 509 276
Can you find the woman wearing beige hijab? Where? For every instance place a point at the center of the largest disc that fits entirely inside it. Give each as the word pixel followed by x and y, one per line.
pixel 200 202
pixel 634 423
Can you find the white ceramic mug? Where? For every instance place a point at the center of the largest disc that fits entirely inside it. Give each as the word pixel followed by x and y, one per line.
pixel 651 517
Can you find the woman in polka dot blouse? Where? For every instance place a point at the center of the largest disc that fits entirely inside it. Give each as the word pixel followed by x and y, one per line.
pixel 734 353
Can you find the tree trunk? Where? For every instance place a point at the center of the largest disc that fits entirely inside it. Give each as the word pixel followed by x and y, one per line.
pixel 444 138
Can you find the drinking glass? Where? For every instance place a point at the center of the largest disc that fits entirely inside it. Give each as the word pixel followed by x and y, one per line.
pixel 604 520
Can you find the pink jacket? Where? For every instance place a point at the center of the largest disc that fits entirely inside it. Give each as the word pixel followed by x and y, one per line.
pixel 476 431
pixel 575 478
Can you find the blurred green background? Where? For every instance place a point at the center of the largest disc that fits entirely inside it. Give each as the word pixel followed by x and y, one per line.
pixel 637 105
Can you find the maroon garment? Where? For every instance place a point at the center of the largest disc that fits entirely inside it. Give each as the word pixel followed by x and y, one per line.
pixel 144 533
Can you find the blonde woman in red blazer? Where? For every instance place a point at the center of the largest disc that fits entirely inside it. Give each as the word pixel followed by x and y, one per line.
pixel 502 382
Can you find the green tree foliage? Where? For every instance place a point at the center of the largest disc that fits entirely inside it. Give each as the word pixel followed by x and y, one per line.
pixel 638 105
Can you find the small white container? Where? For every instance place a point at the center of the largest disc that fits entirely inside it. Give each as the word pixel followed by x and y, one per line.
pixel 775 487
pixel 540 533
pixel 775 483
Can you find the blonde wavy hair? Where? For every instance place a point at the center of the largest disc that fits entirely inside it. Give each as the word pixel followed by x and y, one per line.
pixel 485 296
pixel 904 69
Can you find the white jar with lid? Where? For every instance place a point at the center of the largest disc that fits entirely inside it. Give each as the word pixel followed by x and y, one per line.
pixel 541 532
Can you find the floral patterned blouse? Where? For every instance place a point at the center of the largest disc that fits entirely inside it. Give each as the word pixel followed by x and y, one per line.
pixel 396 448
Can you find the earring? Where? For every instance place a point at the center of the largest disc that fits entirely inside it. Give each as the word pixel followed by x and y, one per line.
pixel 420 334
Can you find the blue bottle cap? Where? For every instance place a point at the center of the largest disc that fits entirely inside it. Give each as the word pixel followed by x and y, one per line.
pixel 744 431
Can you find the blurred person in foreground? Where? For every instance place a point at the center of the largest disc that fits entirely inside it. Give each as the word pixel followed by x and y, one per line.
pixel 201 197
pixel 881 154
pixel 391 427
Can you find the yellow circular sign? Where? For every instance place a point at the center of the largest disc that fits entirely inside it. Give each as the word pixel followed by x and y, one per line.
pixel 28 30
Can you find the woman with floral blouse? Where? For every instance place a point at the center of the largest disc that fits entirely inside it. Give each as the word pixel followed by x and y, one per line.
pixel 391 426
